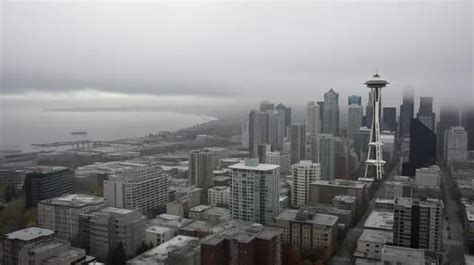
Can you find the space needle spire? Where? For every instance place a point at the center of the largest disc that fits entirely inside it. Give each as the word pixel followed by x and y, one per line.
pixel 374 155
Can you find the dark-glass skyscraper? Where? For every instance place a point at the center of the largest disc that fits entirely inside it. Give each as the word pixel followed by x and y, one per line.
pixel 331 113
pixel 259 130
pixel 407 110
pixel 266 106
pixel 354 99
pixel 425 112
pixel 422 145
pixel 389 119
pixel 369 109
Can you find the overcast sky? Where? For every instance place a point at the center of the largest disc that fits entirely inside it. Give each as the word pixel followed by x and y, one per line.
pixel 232 52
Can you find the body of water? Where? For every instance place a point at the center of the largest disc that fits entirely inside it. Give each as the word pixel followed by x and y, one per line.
pixel 21 128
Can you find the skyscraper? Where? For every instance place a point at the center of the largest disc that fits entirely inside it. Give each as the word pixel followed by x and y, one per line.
pixel 201 170
pixel 455 144
pixel 354 117
pixel 422 145
pixel 287 111
pixel 259 130
pixel 354 99
pixel 327 155
pixel 331 113
pixel 266 106
pixel 313 128
pixel 297 138
pixel 277 129
pixel 254 191
pixel 468 124
pixel 418 223
pixel 425 112
pixel 303 173
pixel 448 117
pixel 407 110
pixel 245 135
pixel 369 111
pixel 375 155
pixel 389 119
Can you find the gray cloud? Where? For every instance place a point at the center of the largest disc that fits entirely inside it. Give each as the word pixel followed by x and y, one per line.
pixel 289 52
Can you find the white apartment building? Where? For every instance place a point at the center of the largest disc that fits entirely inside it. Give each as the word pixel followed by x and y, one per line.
pixel 455 144
pixel 418 223
pixel 254 191
pixel 305 228
pixel 279 158
pixel 62 214
pixel 137 186
pixel 303 174
pixel 219 195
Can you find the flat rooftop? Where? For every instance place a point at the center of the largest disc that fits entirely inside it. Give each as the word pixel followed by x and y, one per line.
pixel 200 208
pixel 258 167
pixel 340 183
pixel 413 253
pixel 380 220
pixel 376 236
pixel 316 218
pixel 220 188
pixel 116 210
pixel 28 234
pixel 157 229
pixel 428 202
pixel 159 254
pixel 75 200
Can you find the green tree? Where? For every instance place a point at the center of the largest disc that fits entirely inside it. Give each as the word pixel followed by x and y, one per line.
pixel 117 256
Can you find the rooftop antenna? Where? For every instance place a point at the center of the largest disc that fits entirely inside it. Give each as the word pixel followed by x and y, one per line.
pixel 376 73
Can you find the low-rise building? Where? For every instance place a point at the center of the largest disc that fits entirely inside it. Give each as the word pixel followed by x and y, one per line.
pixel 380 220
pixel 12 243
pixel 428 177
pixel 392 255
pixel 371 243
pixel 157 235
pixel 237 242
pixel 324 191
pixel 305 228
pixel 178 250
pixel 51 251
pixel 103 229
pixel 61 214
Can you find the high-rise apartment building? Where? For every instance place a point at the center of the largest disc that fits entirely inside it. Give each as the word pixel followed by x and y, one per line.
pixel 262 150
pixel 327 155
pixel 418 223
pixel 455 144
pixel 297 138
pixel 102 230
pixel 137 187
pixel 313 122
pixel 47 182
pixel 303 173
pixel 389 119
pixel 277 129
pixel 331 113
pixel 219 195
pixel 407 110
pixel 254 191
pixel 61 214
pixel 354 120
pixel 201 168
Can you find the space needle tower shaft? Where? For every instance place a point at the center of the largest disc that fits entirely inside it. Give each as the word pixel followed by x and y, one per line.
pixel 374 155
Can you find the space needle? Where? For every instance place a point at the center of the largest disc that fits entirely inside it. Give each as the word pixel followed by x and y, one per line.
pixel 374 155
